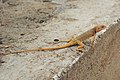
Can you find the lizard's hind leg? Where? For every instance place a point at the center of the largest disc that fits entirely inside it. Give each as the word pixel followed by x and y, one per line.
pixel 80 45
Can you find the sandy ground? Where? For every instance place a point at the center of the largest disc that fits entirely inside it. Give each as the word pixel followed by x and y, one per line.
pixel 27 24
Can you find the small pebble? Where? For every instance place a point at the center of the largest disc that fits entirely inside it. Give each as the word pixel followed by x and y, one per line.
pixel 22 34
pixel 56 39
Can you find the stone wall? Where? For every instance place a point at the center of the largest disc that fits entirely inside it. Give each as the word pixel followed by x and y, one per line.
pixel 101 64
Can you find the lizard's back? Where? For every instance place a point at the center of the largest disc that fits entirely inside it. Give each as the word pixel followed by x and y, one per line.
pixel 86 35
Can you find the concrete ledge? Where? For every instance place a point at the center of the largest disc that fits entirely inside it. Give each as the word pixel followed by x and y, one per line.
pixel 101 64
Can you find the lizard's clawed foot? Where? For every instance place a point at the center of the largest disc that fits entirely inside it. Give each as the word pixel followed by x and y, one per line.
pixel 79 48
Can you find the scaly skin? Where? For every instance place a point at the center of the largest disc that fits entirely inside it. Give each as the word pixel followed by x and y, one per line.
pixel 73 41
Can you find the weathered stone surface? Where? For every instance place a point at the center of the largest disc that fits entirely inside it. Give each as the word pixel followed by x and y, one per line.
pixel 101 64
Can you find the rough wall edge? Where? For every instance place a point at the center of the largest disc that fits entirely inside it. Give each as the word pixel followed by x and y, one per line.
pixel 65 70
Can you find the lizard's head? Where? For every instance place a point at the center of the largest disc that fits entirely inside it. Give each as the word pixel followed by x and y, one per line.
pixel 100 27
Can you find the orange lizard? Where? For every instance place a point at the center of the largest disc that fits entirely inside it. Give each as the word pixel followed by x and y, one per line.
pixel 76 40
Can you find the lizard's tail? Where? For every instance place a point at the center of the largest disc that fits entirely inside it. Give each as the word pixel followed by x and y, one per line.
pixel 43 49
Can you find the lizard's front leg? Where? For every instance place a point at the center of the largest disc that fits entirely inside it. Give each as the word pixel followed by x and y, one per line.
pixel 93 40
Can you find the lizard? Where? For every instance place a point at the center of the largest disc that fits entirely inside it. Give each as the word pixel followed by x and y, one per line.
pixel 75 40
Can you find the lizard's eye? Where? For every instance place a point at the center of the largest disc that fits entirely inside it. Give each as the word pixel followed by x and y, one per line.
pixel 103 26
